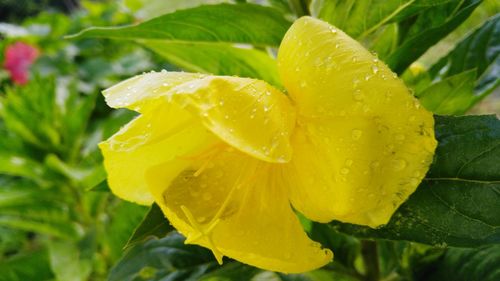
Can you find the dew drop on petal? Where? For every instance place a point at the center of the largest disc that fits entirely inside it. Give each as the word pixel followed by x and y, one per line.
pixel 399 164
pixel 356 134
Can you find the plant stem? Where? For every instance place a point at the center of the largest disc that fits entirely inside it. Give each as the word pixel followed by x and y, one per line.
pixel 369 253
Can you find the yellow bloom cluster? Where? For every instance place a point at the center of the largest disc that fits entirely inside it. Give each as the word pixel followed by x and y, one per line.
pixel 226 158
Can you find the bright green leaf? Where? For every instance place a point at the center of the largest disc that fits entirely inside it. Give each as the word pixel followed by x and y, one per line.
pixel 242 23
pixel 452 96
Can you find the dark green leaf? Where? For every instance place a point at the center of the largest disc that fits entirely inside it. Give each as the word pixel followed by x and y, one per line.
pixel 242 23
pixel 459 201
pixel 164 259
pixel 464 265
pixel 154 224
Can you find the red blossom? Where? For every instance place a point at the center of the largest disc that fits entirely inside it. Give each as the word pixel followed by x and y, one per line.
pixel 18 58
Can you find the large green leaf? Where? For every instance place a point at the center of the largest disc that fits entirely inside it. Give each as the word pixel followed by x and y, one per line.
pixel 67 262
pixel 459 201
pixel 242 23
pixel 464 265
pixel 218 58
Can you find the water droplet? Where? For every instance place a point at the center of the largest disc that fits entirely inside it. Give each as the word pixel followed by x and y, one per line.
pixel 201 219
pixel 367 77
pixel 337 46
pixel 416 103
pixel 374 69
pixel 221 102
pixel 266 109
pixel 414 182
pixel 306 54
pixel 375 164
pixel 399 164
pixel 303 84
pixel 357 95
pixel 333 30
pixel 297 69
pixel 356 134
pixel 354 59
pixel 226 116
pixel 165 84
pixel 344 171
pixel 348 162
pixel 268 93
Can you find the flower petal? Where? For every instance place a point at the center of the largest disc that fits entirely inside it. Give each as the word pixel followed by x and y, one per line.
pixel 363 143
pixel 141 91
pixel 147 141
pixel 249 114
pixel 237 206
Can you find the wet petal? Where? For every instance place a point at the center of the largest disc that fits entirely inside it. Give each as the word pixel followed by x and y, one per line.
pixel 249 114
pixel 163 134
pixel 149 89
pixel 237 206
pixel 364 143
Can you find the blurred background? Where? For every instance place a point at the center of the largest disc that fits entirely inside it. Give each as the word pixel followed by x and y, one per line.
pixel 56 219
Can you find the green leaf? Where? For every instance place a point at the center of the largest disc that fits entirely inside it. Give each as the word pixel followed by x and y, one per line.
pixel 361 18
pixel 242 23
pixel 458 202
pixel 464 265
pixel 419 33
pixel 33 266
pixel 478 51
pixel 451 96
pixel 218 58
pixel 164 259
pixel 154 224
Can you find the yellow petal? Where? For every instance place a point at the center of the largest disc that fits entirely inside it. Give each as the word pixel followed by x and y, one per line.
pixel 141 91
pixel 363 143
pixel 160 135
pixel 249 114
pixel 237 206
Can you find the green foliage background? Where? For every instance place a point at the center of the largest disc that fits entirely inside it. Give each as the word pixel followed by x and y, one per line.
pixel 58 220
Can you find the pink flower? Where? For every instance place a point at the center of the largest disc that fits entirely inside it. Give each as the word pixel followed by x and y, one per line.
pixel 18 58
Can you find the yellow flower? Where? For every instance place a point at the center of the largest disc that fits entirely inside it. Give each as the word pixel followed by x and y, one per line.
pixel 226 158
